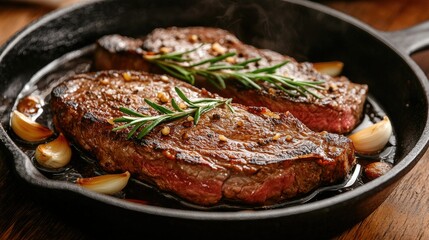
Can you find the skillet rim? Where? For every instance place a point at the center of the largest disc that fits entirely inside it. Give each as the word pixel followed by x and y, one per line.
pixel 23 164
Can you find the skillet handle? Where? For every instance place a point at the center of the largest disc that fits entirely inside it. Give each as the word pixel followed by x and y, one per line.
pixel 411 39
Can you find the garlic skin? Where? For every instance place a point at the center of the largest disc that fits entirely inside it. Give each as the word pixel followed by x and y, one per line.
pixel 106 184
pixel 332 69
pixel 54 154
pixel 28 129
pixel 372 139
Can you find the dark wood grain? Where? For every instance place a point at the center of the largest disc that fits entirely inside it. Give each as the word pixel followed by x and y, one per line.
pixel 404 214
pixel 386 15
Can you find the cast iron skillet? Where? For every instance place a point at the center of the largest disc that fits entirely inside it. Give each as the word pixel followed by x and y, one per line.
pixel 305 30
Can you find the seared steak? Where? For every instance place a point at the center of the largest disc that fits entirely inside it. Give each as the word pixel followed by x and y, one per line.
pixel 339 110
pixel 262 157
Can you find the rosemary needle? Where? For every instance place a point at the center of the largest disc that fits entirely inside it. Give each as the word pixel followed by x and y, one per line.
pixel 217 72
pixel 195 107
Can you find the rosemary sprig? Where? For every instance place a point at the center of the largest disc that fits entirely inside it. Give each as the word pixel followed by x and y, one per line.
pixel 195 108
pixel 217 72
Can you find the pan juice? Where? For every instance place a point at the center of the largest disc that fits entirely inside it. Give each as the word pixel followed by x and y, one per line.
pixel 84 165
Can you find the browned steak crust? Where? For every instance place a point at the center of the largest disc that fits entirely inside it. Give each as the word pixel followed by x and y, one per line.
pixel 339 110
pixel 193 162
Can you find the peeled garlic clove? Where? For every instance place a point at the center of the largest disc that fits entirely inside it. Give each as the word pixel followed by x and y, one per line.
pixel 373 138
pixel 332 69
pixel 54 154
pixel 28 129
pixel 107 184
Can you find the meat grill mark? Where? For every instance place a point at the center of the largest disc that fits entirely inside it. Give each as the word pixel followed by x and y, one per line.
pixel 201 168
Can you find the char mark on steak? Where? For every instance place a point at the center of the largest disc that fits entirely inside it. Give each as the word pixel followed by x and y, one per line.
pixel 263 158
pixel 339 110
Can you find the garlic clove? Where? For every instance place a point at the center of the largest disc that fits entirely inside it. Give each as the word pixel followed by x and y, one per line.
pixel 332 69
pixel 28 129
pixel 372 139
pixel 106 184
pixel 54 154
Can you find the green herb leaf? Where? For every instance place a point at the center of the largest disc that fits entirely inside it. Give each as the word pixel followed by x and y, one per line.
pixel 157 107
pixel 175 106
pixel 218 72
pixel 197 116
pixel 213 60
pixel 150 126
pixel 195 108
pixel 183 96
pixel 131 112
pixel 270 70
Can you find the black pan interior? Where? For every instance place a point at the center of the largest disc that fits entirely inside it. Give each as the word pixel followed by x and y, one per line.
pixel 301 29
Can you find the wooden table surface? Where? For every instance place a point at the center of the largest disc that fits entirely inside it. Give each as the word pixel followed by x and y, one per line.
pixel 404 214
